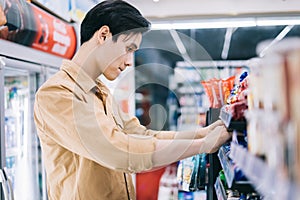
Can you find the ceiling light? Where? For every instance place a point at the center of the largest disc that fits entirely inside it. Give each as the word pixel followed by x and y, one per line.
pixel 202 24
pixel 282 21
pixel 225 23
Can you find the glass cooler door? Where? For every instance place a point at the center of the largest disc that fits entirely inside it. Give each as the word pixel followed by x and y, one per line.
pixel 20 154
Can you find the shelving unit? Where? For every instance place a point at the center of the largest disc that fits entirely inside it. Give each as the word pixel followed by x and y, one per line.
pixel 214 163
pixel 268 182
pixel 188 77
pixel 268 156
pixel 222 160
pixel 259 175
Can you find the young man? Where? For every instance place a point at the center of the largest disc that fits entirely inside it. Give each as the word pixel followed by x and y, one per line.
pixel 89 145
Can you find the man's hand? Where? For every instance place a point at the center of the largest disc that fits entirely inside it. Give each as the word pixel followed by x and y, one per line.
pixel 206 130
pixel 216 136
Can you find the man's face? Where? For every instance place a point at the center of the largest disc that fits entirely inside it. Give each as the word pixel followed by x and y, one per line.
pixel 119 54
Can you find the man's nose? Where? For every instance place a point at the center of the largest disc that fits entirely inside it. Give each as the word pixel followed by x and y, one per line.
pixel 129 59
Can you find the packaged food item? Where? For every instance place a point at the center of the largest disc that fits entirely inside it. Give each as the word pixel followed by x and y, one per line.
pixel 227 86
pixel 255 133
pixel 218 90
pixel 255 85
pixel 187 169
pixel 275 84
pixel 293 69
pixel 195 173
pixel 202 172
pixel 208 91
pixel 180 173
pixel 241 86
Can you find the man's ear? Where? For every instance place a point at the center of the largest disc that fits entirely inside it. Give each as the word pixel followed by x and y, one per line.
pixel 103 34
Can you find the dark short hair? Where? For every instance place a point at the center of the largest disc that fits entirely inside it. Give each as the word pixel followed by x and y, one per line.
pixel 118 15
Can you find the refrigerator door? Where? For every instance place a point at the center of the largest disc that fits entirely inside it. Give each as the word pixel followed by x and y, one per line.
pixel 6 186
pixel 20 155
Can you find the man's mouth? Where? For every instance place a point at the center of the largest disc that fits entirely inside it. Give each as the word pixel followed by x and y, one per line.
pixel 121 69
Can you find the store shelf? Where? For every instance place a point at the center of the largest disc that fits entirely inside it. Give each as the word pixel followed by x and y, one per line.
pixel 228 168
pixel 220 191
pixel 265 180
pixel 255 169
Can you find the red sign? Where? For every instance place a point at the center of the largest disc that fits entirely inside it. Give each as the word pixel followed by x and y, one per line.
pixel 31 26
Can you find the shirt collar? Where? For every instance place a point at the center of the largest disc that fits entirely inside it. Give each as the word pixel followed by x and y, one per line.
pixel 78 75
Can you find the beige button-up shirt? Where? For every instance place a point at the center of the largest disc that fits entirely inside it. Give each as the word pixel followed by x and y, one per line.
pixel 89 146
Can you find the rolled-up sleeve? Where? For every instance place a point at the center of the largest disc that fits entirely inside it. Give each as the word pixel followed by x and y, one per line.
pixel 81 125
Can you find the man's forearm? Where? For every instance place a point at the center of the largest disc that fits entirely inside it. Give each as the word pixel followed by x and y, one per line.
pixel 178 135
pixel 169 151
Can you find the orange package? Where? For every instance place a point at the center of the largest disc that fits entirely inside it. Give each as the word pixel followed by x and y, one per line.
pixel 227 87
pixel 208 91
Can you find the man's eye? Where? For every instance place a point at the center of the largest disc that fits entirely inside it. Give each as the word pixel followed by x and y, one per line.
pixel 129 49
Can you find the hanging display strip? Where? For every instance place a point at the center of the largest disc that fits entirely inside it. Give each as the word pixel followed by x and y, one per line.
pixel 29 25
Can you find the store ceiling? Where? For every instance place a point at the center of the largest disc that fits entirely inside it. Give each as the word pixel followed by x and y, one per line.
pixel 164 47
pixel 208 44
pixel 161 47
pixel 178 9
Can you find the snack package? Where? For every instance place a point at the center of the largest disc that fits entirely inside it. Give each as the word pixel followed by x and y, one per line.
pixel 202 172
pixel 208 91
pixel 194 177
pixel 214 90
pixel 227 85
pixel 187 171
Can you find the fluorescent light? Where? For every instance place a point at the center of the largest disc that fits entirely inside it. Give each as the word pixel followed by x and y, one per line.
pixel 225 23
pixel 221 23
pixel 278 21
pixel 279 37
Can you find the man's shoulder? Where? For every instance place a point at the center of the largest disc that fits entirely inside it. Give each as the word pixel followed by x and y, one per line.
pixel 54 91
pixel 58 81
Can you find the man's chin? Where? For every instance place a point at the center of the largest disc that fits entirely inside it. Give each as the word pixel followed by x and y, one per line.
pixel 111 78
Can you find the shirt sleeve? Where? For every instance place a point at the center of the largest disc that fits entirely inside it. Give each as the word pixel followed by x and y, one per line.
pixel 81 125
